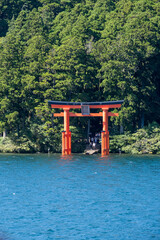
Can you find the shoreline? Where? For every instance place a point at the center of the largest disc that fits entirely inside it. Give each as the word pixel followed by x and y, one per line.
pixel 144 141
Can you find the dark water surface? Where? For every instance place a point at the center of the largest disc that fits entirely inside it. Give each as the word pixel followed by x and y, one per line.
pixel 46 197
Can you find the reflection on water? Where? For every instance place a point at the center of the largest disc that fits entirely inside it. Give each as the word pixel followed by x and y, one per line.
pixel 79 197
pixel 66 157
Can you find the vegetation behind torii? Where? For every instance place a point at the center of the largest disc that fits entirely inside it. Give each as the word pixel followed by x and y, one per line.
pixel 74 50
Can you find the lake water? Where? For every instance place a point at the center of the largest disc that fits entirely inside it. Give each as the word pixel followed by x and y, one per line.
pixel 46 197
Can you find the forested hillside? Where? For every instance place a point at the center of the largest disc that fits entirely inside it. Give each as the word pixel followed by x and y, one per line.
pixel 74 50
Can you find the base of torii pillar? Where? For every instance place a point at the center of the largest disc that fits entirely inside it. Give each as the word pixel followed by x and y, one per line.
pixel 104 143
pixel 66 143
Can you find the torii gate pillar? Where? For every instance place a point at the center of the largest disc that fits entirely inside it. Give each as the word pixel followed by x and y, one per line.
pixel 105 134
pixel 66 134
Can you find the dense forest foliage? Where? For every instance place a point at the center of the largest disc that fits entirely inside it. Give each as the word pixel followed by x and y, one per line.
pixel 77 50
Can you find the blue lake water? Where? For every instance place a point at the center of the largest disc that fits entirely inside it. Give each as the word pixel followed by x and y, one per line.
pixel 46 197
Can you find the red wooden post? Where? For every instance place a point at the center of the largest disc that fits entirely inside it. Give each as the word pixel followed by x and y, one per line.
pixel 105 145
pixel 102 143
pixel 67 132
pixel 63 142
pixel 69 142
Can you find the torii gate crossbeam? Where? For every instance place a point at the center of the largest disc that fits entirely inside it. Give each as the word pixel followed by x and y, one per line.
pixel 66 106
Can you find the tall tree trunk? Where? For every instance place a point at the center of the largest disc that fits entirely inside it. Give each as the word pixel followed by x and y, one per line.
pixel 18 130
pixel 121 129
pixel 4 133
pixel 142 120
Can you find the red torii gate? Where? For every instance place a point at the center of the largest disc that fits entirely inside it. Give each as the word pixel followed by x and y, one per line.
pixel 85 106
